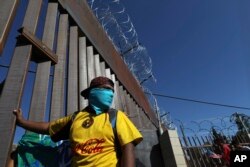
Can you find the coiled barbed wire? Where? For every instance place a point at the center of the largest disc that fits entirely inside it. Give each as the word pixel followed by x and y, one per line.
pixel 223 125
pixel 121 31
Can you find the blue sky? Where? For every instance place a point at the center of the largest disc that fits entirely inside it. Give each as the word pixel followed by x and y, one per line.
pixel 200 50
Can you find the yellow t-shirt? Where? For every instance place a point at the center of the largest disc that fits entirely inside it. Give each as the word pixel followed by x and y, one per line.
pixel 94 145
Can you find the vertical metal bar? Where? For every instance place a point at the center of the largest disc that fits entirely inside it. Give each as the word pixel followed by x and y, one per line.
pixel 7 13
pixel 128 103
pixel 11 97
pixel 122 97
pixel 102 66
pixel 97 65
pixel 147 123
pixel 197 158
pixel 58 94
pixel 14 83
pixel 144 119
pixel 152 126
pixel 83 79
pixel 204 143
pixel 116 97
pixel 119 101
pixel 186 149
pixel 90 65
pixel 140 112
pixel 240 138
pixel 187 158
pixel 191 153
pixel 203 140
pixel 40 91
pixel 108 75
pixel 199 150
pixel 72 100
pixel 138 118
pixel 211 139
pixel 134 113
pixel 32 15
pixel 207 138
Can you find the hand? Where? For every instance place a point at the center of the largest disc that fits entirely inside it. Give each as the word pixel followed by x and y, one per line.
pixel 37 127
pixel 19 116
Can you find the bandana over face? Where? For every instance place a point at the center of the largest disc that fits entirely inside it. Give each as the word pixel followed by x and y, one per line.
pixel 100 99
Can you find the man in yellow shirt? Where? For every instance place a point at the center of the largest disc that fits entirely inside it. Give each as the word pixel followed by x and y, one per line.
pixel 92 137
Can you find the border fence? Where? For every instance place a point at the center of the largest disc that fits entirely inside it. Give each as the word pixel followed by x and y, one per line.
pixel 56 49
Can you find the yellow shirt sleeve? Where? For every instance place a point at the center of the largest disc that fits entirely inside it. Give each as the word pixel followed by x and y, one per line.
pixel 126 130
pixel 59 129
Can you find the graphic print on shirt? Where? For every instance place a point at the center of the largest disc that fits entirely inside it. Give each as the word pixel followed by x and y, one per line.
pixel 91 146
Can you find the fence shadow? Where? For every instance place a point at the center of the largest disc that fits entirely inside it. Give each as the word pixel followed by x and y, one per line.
pixel 156 156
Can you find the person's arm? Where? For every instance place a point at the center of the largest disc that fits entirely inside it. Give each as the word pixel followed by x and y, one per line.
pixel 128 155
pixel 37 127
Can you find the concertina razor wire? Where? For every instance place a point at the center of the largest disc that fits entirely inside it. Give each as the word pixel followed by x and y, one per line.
pixel 121 31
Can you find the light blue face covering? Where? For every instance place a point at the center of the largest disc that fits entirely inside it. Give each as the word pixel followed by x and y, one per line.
pixel 100 99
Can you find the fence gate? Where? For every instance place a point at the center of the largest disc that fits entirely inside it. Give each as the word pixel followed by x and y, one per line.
pixel 62 45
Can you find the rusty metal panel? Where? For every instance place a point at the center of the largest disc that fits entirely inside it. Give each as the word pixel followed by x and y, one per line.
pixel 40 92
pixel 90 62
pixel 89 24
pixel 83 79
pixel 58 94
pixel 72 102
pixel 12 92
pixel 7 14
pixel 41 51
